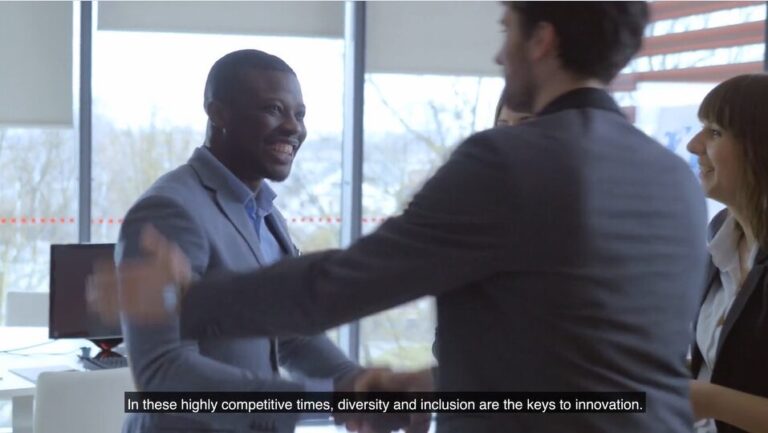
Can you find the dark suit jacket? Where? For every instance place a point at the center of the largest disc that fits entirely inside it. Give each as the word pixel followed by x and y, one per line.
pixel 566 254
pixel 742 350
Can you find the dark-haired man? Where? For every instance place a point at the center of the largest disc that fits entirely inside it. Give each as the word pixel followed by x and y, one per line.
pixel 218 209
pixel 566 253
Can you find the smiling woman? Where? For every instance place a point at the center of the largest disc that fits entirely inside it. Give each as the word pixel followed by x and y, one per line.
pixel 732 152
pixel 731 149
pixel 720 162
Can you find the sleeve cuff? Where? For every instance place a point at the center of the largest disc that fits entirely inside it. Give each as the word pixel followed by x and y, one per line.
pixel 317 385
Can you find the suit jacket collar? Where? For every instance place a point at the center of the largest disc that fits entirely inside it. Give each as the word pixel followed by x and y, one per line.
pixel 228 200
pixel 277 225
pixel 585 97
pixel 712 271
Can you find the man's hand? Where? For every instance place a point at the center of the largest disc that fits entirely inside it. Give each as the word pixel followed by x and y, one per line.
pixel 384 380
pixel 147 290
pixel 367 422
pixel 413 381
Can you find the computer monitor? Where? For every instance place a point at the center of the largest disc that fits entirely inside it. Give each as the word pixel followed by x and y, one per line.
pixel 69 315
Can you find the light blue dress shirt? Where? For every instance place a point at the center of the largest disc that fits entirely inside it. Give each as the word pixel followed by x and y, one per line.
pixel 257 206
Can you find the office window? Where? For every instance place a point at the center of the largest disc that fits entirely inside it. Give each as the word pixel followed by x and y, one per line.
pixel 417 109
pixel 38 151
pixel 412 124
pixel 685 55
pixel 38 203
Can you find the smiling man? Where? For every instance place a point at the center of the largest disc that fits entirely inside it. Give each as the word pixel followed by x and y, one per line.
pixel 219 210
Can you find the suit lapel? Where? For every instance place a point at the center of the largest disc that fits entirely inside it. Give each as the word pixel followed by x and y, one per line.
pixel 712 271
pixel 226 202
pixel 235 213
pixel 277 226
pixel 753 279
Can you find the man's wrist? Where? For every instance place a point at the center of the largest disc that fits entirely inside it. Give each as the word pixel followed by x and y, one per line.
pixel 346 382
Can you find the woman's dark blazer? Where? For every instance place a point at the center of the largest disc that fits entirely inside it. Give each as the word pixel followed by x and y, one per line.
pixel 742 350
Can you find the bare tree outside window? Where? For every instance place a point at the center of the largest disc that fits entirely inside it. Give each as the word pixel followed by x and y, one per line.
pixel 422 130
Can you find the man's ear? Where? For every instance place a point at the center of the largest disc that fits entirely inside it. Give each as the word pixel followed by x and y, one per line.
pixel 543 42
pixel 218 114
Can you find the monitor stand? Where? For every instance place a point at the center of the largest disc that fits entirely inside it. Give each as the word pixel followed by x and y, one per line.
pixel 106 345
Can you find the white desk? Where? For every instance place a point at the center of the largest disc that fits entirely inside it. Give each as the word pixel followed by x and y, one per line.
pixel 21 392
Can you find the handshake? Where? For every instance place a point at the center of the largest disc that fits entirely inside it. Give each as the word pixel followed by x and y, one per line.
pixel 149 290
pixel 385 380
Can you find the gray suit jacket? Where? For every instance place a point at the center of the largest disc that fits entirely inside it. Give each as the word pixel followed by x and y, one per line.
pixel 197 209
pixel 566 254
